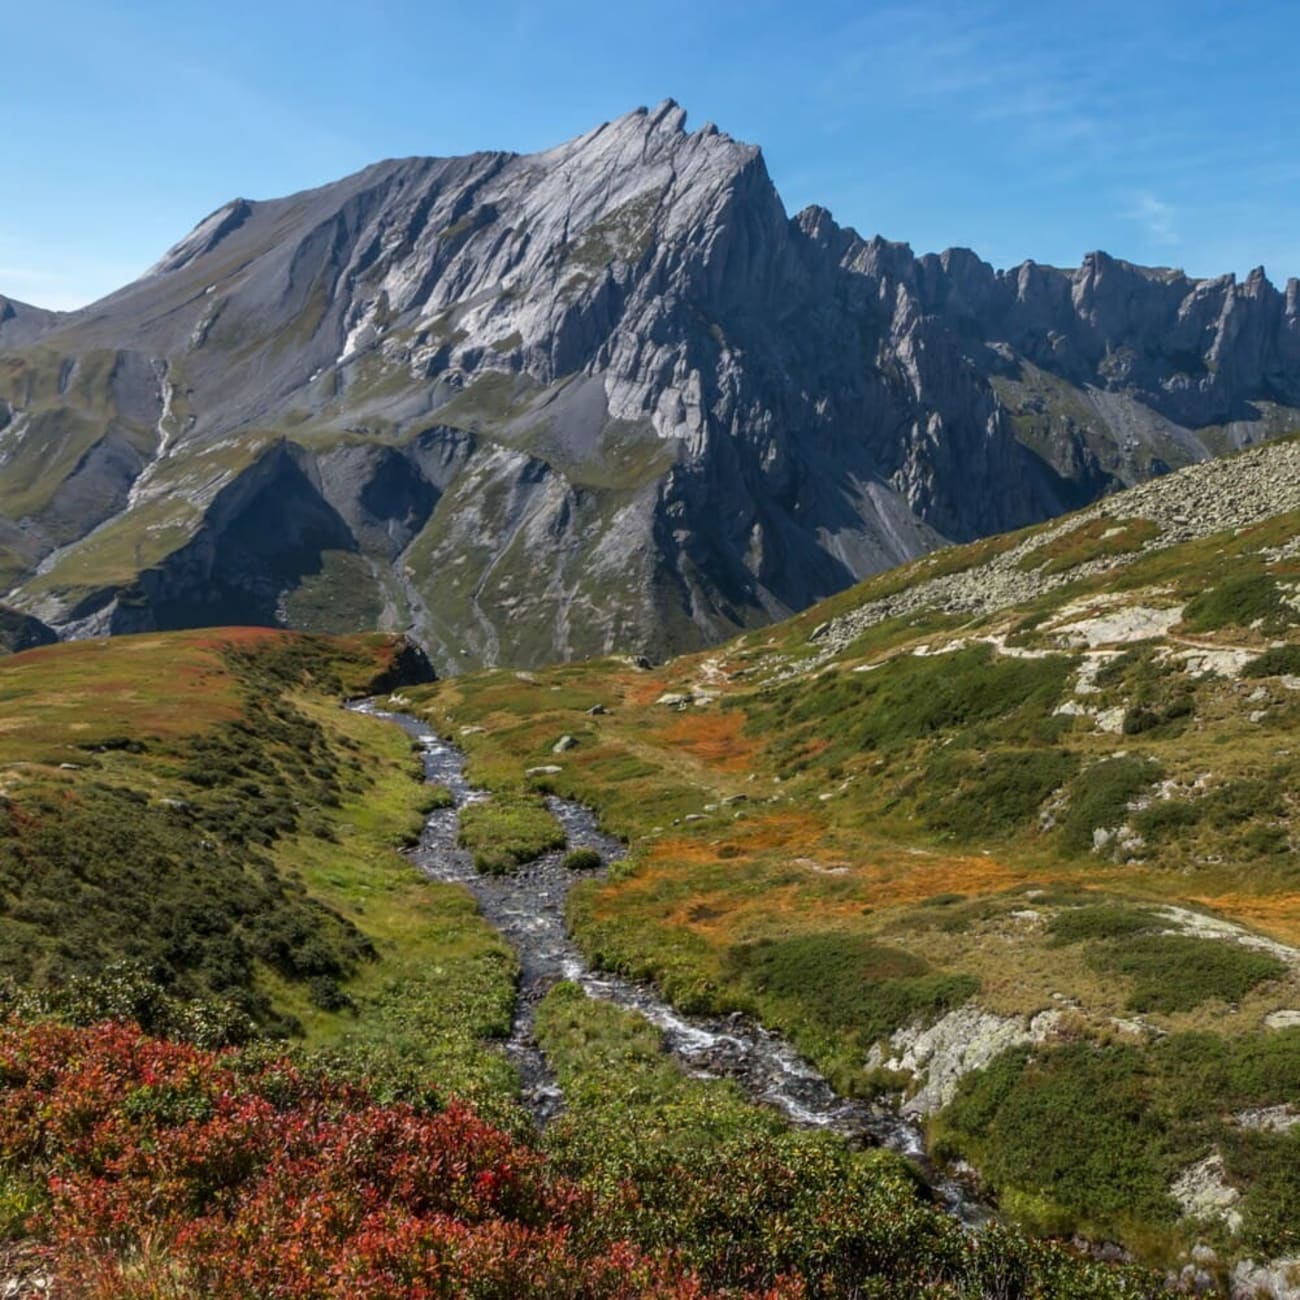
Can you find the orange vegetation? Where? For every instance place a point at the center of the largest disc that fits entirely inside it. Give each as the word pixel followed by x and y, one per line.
pixel 783 830
pixel 1278 916
pixel 904 878
pixel 712 737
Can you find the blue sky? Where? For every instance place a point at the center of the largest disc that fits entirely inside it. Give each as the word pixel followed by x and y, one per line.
pixel 1165 132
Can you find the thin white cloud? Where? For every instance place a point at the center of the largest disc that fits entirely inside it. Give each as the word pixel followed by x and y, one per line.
pixel 1157 218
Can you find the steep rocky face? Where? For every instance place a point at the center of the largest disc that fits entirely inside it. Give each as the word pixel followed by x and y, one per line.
pixel 603 397
pixel 22 632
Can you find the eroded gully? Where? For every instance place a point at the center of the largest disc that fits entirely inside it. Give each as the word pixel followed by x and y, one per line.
pixel 528 908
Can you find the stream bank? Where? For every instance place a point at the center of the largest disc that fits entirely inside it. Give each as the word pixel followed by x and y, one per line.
pixel 528 908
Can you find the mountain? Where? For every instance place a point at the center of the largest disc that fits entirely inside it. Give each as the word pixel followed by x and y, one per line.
pixel 22 632
pixel 605 396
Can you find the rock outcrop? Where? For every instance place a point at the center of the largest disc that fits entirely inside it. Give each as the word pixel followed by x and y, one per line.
pixel 20 632
pixel 608 396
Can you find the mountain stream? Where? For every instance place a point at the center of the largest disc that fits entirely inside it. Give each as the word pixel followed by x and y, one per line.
pixel 528 909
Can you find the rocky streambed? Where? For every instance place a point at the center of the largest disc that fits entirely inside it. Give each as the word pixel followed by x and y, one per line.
pixel 528 908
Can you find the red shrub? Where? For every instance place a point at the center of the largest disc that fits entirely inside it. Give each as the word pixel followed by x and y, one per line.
pixel 170 1172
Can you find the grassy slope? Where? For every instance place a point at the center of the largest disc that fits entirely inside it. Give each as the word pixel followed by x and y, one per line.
pixel 212 719
pixel 843 852
pixel 276 882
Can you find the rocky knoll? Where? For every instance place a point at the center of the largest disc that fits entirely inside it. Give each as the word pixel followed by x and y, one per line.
pixel 1234 493
pixel 604 396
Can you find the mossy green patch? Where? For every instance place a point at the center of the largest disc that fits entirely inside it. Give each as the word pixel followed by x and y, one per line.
pixel 507 831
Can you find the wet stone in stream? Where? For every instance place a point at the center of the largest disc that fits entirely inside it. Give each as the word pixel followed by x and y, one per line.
pixel 528 908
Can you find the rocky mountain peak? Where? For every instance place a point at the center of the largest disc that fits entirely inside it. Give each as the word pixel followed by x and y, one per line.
pixel 600 396
pixel 204 237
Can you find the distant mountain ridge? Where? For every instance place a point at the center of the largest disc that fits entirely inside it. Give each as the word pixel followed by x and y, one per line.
pixel 607 396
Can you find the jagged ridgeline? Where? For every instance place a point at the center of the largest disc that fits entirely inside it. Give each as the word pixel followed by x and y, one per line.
pixel 608 396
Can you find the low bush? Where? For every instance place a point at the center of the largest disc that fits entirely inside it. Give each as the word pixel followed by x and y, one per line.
pixel 152 1168
pixel 1176 972
pixel 583 860
pixel 1100 921
pixel 847 985
pixel 1279 661
pixel 1240 602
pixel 758 1208
pixel 1099 796
pixel 996 795
pixel 1088 1137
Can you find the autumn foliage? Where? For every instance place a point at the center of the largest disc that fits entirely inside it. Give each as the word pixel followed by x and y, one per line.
pixel 165 1170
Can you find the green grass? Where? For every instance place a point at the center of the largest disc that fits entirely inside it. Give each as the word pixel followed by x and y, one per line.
pixel 508 831
pixel 162 853
pixel 226 848
pixel 583 860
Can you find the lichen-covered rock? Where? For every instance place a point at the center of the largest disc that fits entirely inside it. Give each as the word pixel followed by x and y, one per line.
pixel 940 1055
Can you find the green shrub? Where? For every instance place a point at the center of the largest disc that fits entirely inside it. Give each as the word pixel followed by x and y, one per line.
pixel 1100 921
pixel 1239 602
pixel 997 795
pixel 1099 796
pixel 847 984
pixel 755 1206
pixel 1279 661
pixel 583 860
pixel 1176 972
pixel 1073 1125
pixel 917 696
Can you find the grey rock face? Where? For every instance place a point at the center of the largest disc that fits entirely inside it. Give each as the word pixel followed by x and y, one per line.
pixel 604 397
pixel 20 632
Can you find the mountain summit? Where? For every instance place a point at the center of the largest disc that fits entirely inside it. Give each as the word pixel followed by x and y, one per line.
pixel 607 396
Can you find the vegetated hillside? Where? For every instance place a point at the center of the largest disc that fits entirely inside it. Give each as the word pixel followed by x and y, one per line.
pixel 195 837
pixel 605 397
pixel 1009 832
